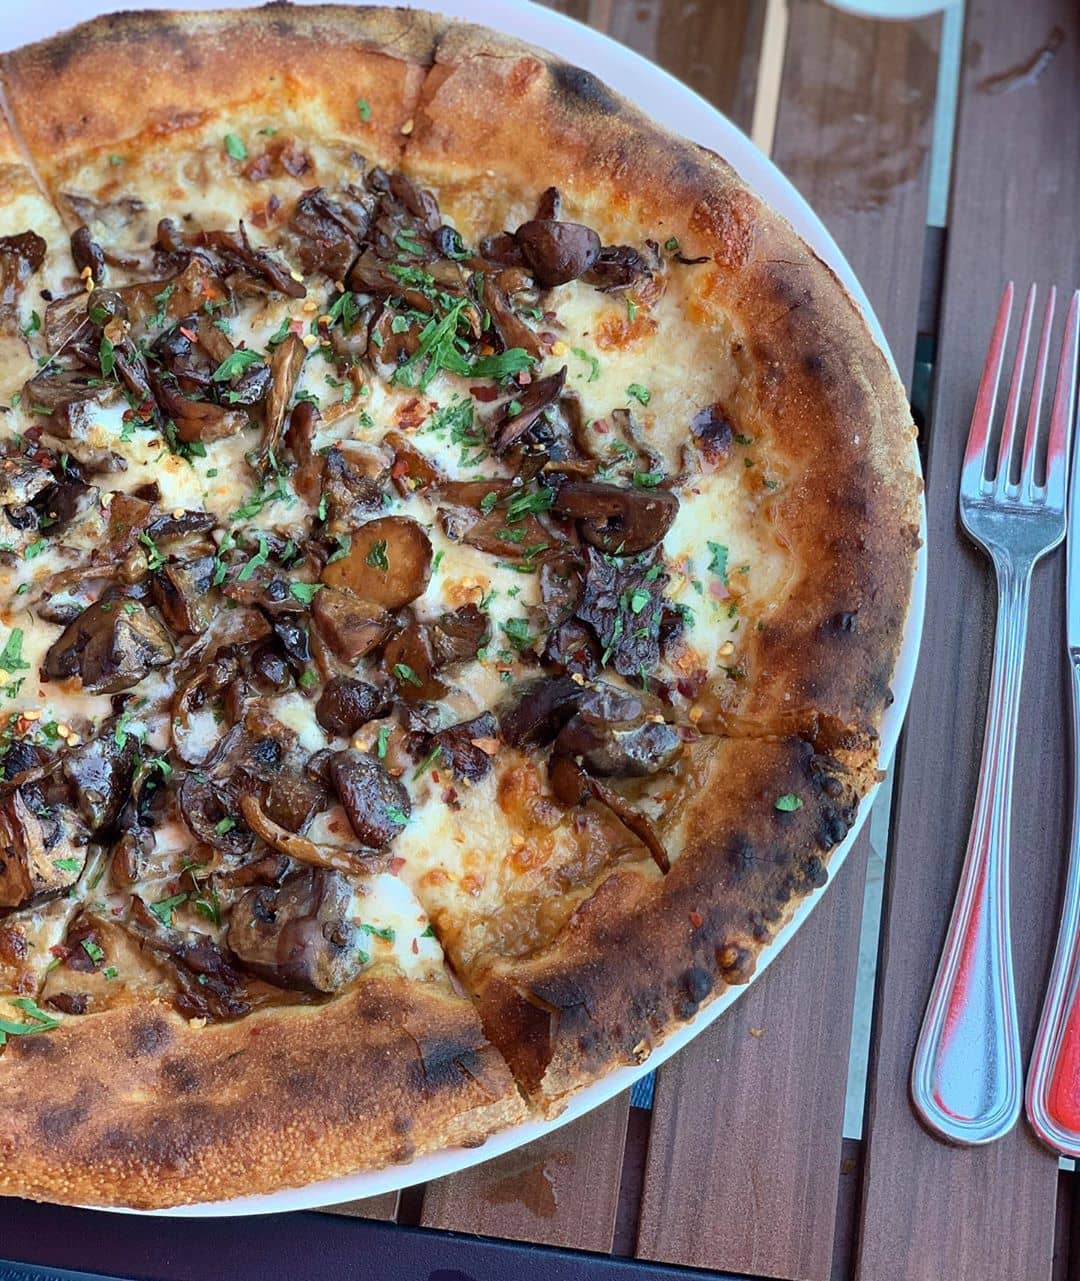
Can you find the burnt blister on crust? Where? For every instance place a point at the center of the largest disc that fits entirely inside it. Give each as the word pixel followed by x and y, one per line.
pixel 581 88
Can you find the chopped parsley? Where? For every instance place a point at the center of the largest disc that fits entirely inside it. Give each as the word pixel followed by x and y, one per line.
pixel 383 739
pixel 165 907
pixel 363 108
pixel 591 361
pixel 39 1021
pixel 404 674
pixel 67 865
pixel 641 394
pixel 11 659
pixel 377 557
pixel 428 761
pixel 788 803
pixel 305 592
pixel 259 559
pixel 106 356
pixel 384 932
pixel 397 815
pixel 234 147
pixel 235 364
pixel 35 548
pixel 308 678
pixel 32 325
pixel 93 951
pixel 154 558
pixel 517 632
pixel 718 563
pixel 648 479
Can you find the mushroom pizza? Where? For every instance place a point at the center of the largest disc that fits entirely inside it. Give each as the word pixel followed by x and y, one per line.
pixel 454 545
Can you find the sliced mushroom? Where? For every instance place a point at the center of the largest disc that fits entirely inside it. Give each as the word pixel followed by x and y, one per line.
pixel 300 934
pixel 350 627
pixel 110 647
pixel 327 232
pixel 612 733
pixel 573 786
pixel 101 773
pixel 301 848
pixel 539 711
pixel 20 256
pixel 180 589
pixel 620 267
pixel 210 808
pixel 388 563
pixel 616 519
pixel 377 805
pixel 522 411
pixel 346 705
pixel 412 471
pixel 466 749
pixel 40 854
pixel 21 480
pixel 285 366
pixel 457 635
pixel 409 661
pixel 557 252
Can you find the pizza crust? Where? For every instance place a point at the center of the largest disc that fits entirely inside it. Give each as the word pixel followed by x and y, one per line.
pixel 144 1109
pixel 72 95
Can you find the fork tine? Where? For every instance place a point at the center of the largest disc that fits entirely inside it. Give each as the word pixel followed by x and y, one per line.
pixel 1061 416
pixel 1012 404
pixel 1031 435
pixel 973 474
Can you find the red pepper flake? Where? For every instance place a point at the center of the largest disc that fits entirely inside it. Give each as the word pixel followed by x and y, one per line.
pixel 697 920
pixel 189 334
pixel 399 469
pixel 485 394
pixel 415 948
pixel 394 865
pixel 434 775
pixel 296 327
pixel 58 949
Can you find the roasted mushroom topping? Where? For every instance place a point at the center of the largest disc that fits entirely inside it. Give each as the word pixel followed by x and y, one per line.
pixel 622 601
pixel 110 647
pixel 301 848
pixel 40 854
pixel 616 519
pixel 285 366
pixel 573 786
pixel 346 705
pixel 350 627
pixel 20 257
pixel 210 810
pixel 181 591
pixel 523 410
pixel 456 636
pixel 377 805
pixel 557 252
pixel 409 661
pixel 540 711
pixel 328 232
pixel 466 749
pixel 101 773
pixel 388 563
pixel 611 733
pixel 300 934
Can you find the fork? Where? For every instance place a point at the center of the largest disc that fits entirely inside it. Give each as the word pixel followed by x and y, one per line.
pixel 966 1075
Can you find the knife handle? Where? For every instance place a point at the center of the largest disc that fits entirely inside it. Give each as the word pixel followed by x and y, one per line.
pixel 1053 1086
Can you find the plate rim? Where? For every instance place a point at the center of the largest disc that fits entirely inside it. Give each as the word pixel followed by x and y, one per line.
pixel 675 104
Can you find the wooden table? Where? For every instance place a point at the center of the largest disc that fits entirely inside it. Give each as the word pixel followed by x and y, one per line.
pixel 740 1166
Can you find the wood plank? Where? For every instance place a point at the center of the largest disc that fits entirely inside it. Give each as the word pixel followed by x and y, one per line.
pixel 744 1152
pixel 754 1126
pixel 562 1189
pixel 565 1189
pixel 711 45
pixel 369 1207
pixel 930 1210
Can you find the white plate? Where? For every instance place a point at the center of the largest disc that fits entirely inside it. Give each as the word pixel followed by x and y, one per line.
pixel 673 104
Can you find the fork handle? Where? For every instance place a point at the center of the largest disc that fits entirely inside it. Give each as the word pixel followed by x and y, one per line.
pixel 966 1078
pixel 1053 1089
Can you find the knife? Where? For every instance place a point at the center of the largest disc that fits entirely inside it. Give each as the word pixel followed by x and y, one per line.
pixel 1052 1096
